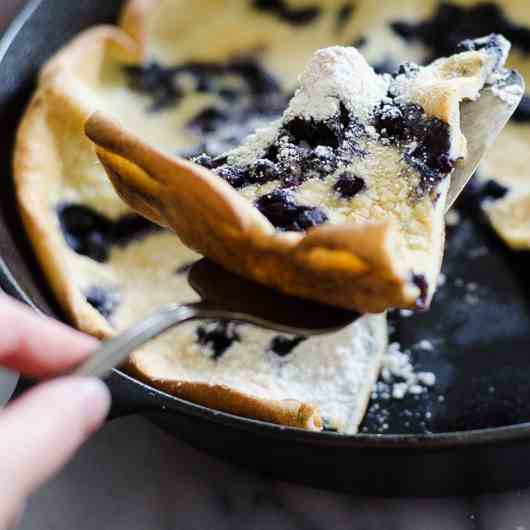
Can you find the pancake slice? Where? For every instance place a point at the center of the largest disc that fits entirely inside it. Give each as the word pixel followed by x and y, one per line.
pixel 342 199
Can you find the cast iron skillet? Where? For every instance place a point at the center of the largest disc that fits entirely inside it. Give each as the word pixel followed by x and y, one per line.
pixel 478 414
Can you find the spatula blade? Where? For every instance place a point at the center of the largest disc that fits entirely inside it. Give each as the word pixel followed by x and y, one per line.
pixel 481 122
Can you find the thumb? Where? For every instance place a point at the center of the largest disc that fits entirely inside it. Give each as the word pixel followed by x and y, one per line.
pixel 41 431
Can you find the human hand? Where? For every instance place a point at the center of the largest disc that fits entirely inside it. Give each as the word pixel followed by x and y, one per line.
pixel 41 430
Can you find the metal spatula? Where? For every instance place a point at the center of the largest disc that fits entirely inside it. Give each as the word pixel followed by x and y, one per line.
pixel 481 122
pixel 226 296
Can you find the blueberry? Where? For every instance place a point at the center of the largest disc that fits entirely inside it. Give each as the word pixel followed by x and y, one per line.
pixel 344 14
pixel 156 81
pixel 79 219
pixel 278 207
pixel 389 122
pixel 444 163
pixel 209 162
pixel 264 171
pixel 229 94
pixel 204 160
pixel 282 211
pixel 309 217
pixel 386 66
pixel 308 149
pixel 272 152
pixel 235 176
pixel 301 16
pixel 492 42
pixel 315 133
pixel 420 281
pixel 129 228
pixel 349 185
pixel 96 246
pixel 91 234
pixel 330 132
pixel 408 69
pixel 208 120
pixel 408 125
pixel 295 16
pixel 283 346
pixel 103 300
pixel 492 190
pixel 86 231
pixel 218 336
pixel 292 180
pixel 145 78
pixel 322 160
pixel 257 78
pixel 269 5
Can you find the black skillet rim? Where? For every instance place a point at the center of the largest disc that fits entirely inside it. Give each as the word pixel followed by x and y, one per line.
pixel 431 441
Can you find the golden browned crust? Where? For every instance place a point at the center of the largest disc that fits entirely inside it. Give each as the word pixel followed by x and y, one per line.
pixel 134 21
pixel 287 412
pixel 84 55
pixel 36 164
pixel 354 266
pixel 38 169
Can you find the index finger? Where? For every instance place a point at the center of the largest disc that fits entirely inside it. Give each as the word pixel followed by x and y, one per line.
pixel 38 346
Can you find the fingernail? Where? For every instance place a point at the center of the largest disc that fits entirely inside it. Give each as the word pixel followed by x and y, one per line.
pixel 96 399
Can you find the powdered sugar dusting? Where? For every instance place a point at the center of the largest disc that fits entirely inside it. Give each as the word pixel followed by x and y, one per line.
pixel 255 145
pixel 398 376
pixel 337 74
pixel 334 372
pixel 333 76
pixel 510 93
pixel 452 218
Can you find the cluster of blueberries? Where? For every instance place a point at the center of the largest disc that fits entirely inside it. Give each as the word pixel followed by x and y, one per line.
pixel 219 336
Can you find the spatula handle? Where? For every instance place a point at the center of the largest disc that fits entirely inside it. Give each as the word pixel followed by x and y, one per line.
pixel 115 352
